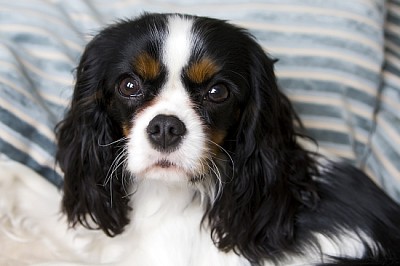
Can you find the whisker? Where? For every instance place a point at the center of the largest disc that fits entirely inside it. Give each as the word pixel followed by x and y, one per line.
pixel 119 160
pixel 122 162
pixel 112 143
pixel 114 165
pixel 206 187
pixel 217 173
pixel 127 178
pixel 213 168
pixel 226 152
pixel 128 194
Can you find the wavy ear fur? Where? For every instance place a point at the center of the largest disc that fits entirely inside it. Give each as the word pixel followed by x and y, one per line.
pixel 83 158
pixel 255 214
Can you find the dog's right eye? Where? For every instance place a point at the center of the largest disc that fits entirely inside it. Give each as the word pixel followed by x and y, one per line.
pixel 130 87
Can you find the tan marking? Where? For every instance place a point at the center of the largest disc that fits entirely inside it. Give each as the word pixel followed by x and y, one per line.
pixel 126 129
pixel 127 126
pixel 202 70
pixel 146 66
pixel 217 137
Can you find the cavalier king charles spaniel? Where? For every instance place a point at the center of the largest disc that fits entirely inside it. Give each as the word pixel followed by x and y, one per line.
pixel 179 146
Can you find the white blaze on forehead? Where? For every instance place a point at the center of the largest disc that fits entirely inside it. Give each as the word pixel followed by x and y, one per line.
pixel 177 48
pixel 173 99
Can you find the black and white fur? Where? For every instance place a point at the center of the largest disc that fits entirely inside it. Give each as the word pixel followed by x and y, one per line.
pixel 180 167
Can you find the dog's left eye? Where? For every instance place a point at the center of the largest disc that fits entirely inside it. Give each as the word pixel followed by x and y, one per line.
pixel 130 87
pixel 217 93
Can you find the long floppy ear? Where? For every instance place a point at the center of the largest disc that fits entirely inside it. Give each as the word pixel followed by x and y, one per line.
pixel 85 151
pixel 254 214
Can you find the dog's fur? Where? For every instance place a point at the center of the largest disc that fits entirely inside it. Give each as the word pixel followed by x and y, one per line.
pixel 180 147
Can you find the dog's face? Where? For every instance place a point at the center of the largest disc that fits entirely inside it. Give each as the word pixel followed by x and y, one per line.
pixel 183 99
pixel 175 92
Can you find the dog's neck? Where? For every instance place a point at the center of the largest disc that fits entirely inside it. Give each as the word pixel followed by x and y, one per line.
pixel 166 227
pixel 158 199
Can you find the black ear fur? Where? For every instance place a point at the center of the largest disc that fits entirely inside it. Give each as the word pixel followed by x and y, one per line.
pixel 255 214
pixel 83 159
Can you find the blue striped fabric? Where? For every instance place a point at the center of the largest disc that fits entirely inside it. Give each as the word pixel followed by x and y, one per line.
pixel 338 62
pixel 385 147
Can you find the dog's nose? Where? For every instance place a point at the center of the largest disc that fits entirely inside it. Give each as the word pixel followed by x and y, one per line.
pixel 166 132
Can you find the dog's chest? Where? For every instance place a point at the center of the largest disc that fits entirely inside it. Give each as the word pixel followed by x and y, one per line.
pixel 166 229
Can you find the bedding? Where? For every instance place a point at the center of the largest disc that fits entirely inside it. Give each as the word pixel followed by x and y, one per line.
pixel 339 62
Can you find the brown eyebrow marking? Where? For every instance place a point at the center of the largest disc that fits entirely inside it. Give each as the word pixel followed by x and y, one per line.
pixel 146 66
pixel 202 70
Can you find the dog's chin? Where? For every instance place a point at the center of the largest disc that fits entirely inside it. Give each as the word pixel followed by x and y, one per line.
pixel 165 171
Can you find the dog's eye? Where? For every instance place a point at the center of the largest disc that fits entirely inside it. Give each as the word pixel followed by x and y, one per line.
pixel 217 93
pixel 130 87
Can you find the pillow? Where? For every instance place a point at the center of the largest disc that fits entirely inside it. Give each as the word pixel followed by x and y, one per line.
pixel 384 159
pixel 330 56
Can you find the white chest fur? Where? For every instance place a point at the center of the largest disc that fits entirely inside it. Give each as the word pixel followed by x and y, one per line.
pixel 166 229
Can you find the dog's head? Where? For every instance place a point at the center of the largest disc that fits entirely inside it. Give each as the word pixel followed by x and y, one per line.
pixel 183 99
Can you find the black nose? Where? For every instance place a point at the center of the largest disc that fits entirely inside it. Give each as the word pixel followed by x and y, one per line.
pixel 165 132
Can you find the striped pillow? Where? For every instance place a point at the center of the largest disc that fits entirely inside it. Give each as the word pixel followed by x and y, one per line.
pixel 385 147
pixel 331 53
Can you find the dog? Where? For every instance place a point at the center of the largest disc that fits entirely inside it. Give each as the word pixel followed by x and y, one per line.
pixel 180 149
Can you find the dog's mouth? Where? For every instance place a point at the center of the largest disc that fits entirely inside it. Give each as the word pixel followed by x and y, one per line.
pixel 168 170
pixel 165 164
